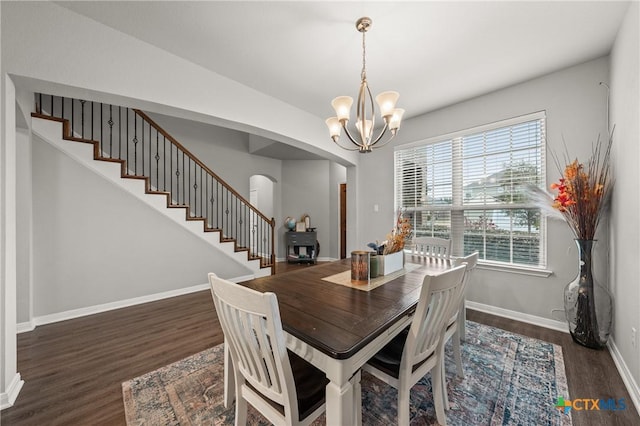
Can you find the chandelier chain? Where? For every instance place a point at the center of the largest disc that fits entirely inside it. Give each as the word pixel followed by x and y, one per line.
pixel 363 74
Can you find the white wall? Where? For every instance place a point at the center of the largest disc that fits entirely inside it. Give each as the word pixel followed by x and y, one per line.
pixel 23 226
pixel 575 104
pixel 625 220
pixel 94 243
pixel 265 191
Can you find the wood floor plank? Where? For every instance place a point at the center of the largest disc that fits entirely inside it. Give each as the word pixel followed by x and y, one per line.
pixel 73 370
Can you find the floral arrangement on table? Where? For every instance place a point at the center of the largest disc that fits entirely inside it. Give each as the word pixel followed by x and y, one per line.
pixel 400 234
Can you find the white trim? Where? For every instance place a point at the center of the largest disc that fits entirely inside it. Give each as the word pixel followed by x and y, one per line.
pixel 627 377
pixel 9 397
pixel 23 327
pixel 96 309
pixel 519 316
pixel 515 269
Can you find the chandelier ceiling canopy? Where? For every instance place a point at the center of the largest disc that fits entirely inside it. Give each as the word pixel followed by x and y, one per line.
pixel 363 139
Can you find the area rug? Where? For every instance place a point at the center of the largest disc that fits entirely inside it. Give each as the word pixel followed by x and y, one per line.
pixel 510 380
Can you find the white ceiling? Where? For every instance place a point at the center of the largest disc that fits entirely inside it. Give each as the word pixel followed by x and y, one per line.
pixel 433 53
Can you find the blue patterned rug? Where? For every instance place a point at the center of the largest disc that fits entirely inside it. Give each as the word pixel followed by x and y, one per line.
pixel 509 380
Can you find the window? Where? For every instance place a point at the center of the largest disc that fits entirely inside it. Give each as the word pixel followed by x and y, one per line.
pixel 470 187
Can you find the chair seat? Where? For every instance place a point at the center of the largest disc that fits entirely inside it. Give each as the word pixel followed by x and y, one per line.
pixel 388 358
pixel 310 385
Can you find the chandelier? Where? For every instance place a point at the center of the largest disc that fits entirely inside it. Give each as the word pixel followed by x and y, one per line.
pixel 364 140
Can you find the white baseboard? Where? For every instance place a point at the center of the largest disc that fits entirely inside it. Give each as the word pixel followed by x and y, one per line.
pixel 23 327
pixel 96 309
pixel 9 397
pixel 519 316
pixel 627 377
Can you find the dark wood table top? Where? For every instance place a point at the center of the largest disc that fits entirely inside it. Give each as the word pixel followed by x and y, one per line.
pixel 340 320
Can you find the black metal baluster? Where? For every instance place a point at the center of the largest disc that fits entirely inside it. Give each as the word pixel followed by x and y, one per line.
pixel 158 161
pixel 150 149
pixel 142 154
pixel 72 118
pixel 135 144
pixel 128 164
pixel 177 176
pixel 110 123
pixel 164 163
pixel 92 123
pixel 171 168
pixel 183 180
pixel 82 101
pixel 120 132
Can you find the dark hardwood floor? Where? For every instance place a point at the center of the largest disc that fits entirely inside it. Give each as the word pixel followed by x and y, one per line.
pixel 73 369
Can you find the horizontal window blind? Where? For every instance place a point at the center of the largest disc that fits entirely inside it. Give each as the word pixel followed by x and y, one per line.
pixel 470 187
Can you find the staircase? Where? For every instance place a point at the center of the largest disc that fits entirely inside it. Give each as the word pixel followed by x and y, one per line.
pixel 146 153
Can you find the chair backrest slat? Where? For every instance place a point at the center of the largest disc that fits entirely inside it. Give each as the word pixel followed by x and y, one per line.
pixel 252 328
pixel 435 247
pixel 437 299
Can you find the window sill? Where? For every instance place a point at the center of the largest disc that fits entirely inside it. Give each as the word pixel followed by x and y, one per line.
pixel 524 270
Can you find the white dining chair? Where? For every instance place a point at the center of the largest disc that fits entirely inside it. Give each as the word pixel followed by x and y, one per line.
pixel 439 248
pixel 418 349
pixel 283 387
pixel 455 330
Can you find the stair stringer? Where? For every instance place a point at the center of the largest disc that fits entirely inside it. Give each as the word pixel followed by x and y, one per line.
pixel 83 152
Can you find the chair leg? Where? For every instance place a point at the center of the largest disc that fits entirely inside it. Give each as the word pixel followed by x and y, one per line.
pixel 403 406
pixel 462 317
pixel 438 396
pixel 443 380
pixel 457 352
pixel 241 404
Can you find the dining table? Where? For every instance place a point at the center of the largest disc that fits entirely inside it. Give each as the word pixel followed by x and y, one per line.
pixel 338 324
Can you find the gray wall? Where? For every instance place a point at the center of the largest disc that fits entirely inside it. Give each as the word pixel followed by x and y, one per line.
pixel 305 190
pixel 575 105
pixel 625 222
pixel 94 243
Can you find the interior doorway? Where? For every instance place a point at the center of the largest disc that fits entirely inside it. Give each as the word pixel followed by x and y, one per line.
pixel 343 221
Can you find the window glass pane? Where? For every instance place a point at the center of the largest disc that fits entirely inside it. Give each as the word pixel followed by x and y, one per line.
pixel 480 180
pixel 503 235
pixel 429 223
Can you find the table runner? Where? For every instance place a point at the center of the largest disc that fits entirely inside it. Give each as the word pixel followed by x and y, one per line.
pixel 344 278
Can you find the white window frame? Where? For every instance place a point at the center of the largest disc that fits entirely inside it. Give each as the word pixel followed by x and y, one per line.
pixel 457 235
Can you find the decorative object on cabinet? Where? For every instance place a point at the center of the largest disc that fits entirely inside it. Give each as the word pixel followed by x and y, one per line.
pixel 307 222
pixel 290 223
pixel 300 227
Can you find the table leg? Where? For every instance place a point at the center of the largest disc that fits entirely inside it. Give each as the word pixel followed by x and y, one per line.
pixel 342 406
pixel 229 378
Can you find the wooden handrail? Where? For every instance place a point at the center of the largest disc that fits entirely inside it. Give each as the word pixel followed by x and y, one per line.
pixel 196 160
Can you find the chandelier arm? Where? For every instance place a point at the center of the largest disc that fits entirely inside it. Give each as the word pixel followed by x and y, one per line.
pixel 384 143
pixel 344 126
pixel 382 132
pixel 344 147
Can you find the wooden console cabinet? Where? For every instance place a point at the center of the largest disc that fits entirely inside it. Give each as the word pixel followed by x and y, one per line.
pixel 301 247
